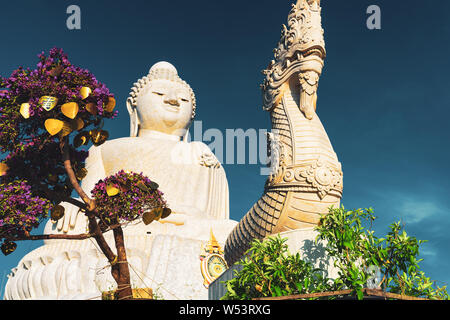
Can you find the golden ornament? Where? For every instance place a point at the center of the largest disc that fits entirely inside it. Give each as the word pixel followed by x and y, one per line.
pixel 57 212
pixel 141 185
pixel 25 110
pixel 3 169
pixel 77 124
pixel 91 108
pixel 85 92
pixel 98 136
pixel 158 213
pixel 111 190
pixel 109 107
pixel 81 139
pixel 48 102
pixel 81 174
pixel 166 212
pixel 53 126
pixel 154 185
pixel 70 109
pixel 148 217
pixel 66 129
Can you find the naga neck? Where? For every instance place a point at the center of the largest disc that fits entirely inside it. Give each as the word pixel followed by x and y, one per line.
pixel 301 146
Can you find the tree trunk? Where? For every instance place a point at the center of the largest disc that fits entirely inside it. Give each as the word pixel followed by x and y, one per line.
pixel 119 263
pixel 124 290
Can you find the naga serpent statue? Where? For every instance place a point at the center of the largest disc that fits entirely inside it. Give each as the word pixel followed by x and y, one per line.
pixel 306 178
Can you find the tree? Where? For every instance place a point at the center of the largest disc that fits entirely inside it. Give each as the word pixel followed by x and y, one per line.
pixel 269 270
pixel 48 116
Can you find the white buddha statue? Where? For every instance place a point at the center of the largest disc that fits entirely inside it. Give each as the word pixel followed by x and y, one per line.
pixel 164 255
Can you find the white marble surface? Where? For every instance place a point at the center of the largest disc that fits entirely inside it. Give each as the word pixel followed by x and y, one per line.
pixel 164 255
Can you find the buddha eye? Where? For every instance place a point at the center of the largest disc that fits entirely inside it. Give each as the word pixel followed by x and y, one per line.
pixel 158 93
pixel 184 100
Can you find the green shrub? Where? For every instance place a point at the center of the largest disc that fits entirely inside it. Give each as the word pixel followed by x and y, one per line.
pixel 269 270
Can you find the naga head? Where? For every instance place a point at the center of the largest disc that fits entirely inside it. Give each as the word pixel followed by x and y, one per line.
pixel 300 53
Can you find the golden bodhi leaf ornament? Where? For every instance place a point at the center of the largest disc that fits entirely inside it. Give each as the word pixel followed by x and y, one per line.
pixel 25 110
pixel 150 216
pixel 48 102
pixel 111 190
pixel 81 139
pixel 81 174
pixel 141 185
pixel 53 126
pixel 57 212
pixel 166 212
pixel 91 108
pixel 109 107
pixel 98 136
pixel 70 109
pixel 155 214
pixel 3 169
pixel 85 92
pixel 77 124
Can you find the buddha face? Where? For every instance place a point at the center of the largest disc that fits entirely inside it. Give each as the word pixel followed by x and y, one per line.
pixel 165 106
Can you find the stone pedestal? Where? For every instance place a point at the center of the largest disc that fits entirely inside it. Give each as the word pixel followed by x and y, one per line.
pixel 160 258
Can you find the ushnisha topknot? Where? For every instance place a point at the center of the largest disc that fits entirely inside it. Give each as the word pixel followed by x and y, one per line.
pixel 160 71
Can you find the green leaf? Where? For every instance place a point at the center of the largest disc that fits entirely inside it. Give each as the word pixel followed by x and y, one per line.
pixel 230 289
pixel 360 294
pixel 277 291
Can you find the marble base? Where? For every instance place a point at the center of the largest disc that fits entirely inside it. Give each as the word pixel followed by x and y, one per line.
pixel 163 257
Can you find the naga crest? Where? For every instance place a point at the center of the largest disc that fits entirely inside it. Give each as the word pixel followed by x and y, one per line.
pixel 300 52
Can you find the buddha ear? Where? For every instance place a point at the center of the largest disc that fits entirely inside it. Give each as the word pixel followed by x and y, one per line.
pixel 134 121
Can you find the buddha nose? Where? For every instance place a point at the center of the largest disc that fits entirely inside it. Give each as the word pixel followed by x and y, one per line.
pixel 172 99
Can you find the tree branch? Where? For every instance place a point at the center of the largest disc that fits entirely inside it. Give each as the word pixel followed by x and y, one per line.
pixel 71 174
pixel 76 203
pixel 57 197
pixel 98 235
pixel 52 237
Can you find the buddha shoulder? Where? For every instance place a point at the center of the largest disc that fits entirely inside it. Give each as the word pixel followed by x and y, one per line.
pixel 193 153
pixel 175 152
pixel 204 156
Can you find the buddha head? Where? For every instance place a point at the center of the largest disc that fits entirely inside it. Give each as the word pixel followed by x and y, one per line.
pixel 161 101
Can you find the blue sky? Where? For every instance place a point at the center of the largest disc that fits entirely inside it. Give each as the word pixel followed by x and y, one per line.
pixel 383 97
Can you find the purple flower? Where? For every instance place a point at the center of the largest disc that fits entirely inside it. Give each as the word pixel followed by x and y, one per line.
pixel 29 152
pixel 132 200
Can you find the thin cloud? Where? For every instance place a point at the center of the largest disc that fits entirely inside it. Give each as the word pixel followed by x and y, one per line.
pixel 411 208
pixel 416 211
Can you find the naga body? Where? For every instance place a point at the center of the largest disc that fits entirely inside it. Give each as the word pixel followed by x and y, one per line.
pixel 306 178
